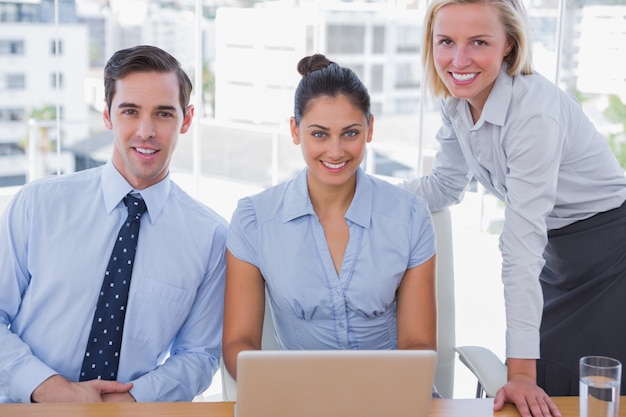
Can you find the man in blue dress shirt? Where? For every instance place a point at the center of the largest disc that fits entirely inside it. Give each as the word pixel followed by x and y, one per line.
pixel 56 237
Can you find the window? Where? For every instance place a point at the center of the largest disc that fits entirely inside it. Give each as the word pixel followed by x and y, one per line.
pixel 12 114
pixel 376 84
pixel 408 38
pixel 346 39
pixel 11 47
pixel 53 81
pixel 244 140
pixel 378 40
pixel 12 82
pixel 53 47
pixel 407 74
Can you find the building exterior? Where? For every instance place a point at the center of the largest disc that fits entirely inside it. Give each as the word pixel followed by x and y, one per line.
pixel 42 71
pixel 57 77
pixel 602 55
pixel 256 68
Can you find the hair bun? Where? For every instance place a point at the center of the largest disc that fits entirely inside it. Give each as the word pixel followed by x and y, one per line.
pixel 312 63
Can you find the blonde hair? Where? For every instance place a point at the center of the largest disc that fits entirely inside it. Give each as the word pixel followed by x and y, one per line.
pixel 515 21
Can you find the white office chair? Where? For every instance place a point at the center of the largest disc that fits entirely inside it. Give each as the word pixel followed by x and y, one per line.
pixel 489 370
pixel 483 363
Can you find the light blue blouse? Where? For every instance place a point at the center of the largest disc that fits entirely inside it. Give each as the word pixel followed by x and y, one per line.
pixel 312 306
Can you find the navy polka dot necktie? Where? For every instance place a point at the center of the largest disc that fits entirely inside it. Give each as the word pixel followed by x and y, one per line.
pixel 105 339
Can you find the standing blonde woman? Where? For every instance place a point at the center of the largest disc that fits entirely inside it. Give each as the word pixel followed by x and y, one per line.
pixel 530 144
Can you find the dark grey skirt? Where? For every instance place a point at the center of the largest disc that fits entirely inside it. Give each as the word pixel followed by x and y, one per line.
pixel 584 290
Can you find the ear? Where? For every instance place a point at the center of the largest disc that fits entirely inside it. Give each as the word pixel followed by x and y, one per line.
pixel 106 117
pixel 188 119
pixel 370 129
pixel 293 127
pixel 509 47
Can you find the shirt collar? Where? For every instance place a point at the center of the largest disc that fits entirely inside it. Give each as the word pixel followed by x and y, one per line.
pixel 497 105
pixel 298 202
pixel 360 211
pixel 115 187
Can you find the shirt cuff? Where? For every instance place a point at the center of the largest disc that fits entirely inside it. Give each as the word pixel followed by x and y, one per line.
pixel 522 344
pixel 29 376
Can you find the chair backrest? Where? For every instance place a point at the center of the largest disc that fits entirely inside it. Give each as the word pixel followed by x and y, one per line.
pixel 444 373
pixel 446 330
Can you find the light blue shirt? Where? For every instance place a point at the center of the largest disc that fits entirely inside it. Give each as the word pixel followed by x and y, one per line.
pixel 56 237
pixel 312 306
pixel 535 149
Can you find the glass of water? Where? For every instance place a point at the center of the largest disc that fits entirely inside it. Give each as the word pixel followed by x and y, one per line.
pixel 600 378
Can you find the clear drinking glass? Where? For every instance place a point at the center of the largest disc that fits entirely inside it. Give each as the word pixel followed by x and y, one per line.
pixel 600 378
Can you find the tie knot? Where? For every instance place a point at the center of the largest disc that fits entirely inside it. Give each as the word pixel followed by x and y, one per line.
pixel 136 206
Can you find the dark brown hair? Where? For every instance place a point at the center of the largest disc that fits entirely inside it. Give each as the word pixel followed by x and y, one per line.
pixel 322 77
pixel 144 58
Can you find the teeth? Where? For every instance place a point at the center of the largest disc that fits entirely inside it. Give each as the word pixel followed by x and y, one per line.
pixel 463 77
pixel 334 166
pixel 145 151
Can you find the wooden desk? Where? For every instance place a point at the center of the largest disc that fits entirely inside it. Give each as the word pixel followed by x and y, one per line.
pixel 440 408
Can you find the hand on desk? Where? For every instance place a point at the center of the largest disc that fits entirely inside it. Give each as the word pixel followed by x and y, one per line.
pixel 522 390
pixel 58 389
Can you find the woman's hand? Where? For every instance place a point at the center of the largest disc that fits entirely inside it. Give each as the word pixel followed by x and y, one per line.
pixel 523 391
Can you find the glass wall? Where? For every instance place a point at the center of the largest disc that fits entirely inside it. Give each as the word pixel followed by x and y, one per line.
pixel 242 57
pixel 248 76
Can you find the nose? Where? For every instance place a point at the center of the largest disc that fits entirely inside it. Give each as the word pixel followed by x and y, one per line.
pixel 334 150
pixel 145 128
pixel 461 58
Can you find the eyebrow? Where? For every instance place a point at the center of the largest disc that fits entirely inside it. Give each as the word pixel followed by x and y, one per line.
pixel 135 106
pixel 443 35
pixel 326 128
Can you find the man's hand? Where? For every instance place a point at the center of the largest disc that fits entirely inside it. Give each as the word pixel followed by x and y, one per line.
pixel 118 397
pixel 523 391
pixel 58 389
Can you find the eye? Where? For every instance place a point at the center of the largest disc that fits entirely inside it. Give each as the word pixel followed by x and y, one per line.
pixel 165 114
pixel 445 42
pixel 318 134
pixel 480 42
pixel 351 133
pixel 129 112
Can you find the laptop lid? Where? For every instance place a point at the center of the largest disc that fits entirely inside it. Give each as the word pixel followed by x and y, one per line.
pixel 334 383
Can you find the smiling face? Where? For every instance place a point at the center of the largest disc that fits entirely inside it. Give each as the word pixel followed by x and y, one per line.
pixel 332 134
pixel 146 119
pixel 469 45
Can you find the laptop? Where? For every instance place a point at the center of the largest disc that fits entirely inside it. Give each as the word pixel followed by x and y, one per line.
pixel 334 383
